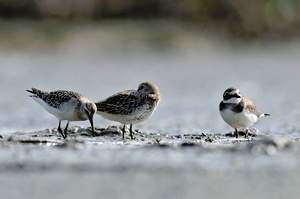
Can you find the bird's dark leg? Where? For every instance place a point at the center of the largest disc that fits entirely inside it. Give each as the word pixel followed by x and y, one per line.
pixel 246 132
pixel 236 133
pixel 59 129
pixel 66 130
pixel 131 133
pixel 123 130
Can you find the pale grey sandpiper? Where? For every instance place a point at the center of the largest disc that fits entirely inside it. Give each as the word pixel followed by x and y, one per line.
pixel 65 105
pixel 130 106
pixel 237 111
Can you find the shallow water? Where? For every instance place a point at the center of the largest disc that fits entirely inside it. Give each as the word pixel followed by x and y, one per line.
pixel 191 66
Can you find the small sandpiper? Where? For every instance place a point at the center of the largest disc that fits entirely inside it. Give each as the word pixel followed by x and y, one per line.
pixel 237 111
pixel 65 105
pixel 130 106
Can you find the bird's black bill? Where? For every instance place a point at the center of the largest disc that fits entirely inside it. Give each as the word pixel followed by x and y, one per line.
pixel 237 96
pixel 92 125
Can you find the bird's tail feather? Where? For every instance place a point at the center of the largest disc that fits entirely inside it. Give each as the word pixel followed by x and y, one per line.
pixel 35 92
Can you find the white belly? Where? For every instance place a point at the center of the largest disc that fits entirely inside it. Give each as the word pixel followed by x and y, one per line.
pixel 244 119
pixel 65 112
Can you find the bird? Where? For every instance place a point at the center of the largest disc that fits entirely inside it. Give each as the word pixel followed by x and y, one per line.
pixel 130 106
pixel 238 111
pixel 65 105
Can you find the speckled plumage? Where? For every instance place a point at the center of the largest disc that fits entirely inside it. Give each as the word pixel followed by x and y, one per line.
pixel 130 106
pixel 237 111
pixel 56 98
pixel 65 105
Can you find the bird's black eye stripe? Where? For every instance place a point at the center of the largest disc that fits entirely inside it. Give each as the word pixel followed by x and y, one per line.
pixel 228 96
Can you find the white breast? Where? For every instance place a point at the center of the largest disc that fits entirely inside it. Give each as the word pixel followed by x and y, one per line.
pixel 244 119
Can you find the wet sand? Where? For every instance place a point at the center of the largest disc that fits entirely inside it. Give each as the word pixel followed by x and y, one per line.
pixel 38 164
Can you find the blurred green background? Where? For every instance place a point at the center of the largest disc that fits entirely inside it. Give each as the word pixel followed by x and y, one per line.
pixel 237 18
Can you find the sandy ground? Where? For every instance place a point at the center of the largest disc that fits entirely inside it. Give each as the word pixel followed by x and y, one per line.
pixel 40 164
